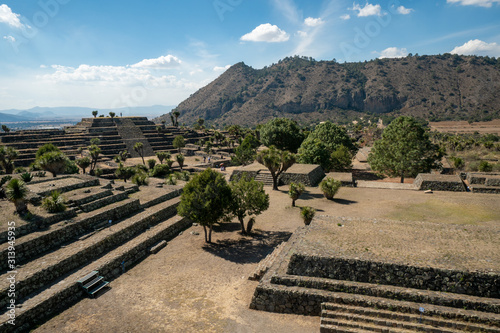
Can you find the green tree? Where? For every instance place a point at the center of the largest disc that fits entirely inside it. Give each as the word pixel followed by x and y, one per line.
pixel 54 162
pixel 83 163
pixel 112 115
pixel 404 150
pixel 179 142
pixel 330 187
pixel 163 155
pixel 295 191
pixel 139 148
pixel 5 129
pixel 276 161
pixel 94 152
pixel 314 151
pixel 341 159
pixel 205 200
pixel 94 113
pixel 16 192
pixel 282 133
pixel 124 173
pixel 247 151
pixel 180 160
pixel 48 147
pixel 176 115
pixel 248 198
pixel 307 214
pixel 7 157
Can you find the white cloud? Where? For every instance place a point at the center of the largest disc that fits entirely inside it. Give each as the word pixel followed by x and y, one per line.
pixel 266 33
pixel 220 68
pixel 313 22
pixel 288 9
pixel 7 16
pixel 168 61
pixel 478 47
pixel 367 10
pixel 302 34
pixel 393 52
pixel 9 38
pixel 481 3
pixel 404 11
pixel 345 17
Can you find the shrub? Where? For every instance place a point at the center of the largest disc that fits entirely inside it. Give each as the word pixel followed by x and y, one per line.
pixel 485 166
pixel 16 192
pixel 160 170
pixel 54 203
pixel 98 172
pixel 41 174
pixel 140 178
pixel 330 187
pixel 20 170
pixel 458 162
pixel 307 214
pixel 71 168
pixel 26 177
pixel 295 191
pixel 171 180
pixel 151 163
pixel 184 175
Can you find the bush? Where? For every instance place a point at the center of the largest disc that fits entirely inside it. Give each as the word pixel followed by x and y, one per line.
pixel 171 180
pixel 160 170
pixel 20 170
pixel 98 172
pixel 184 175
pixel 71 168
pixel 307 214
pixel 295 191
pixel 485 166
pixel 458 162
pixel 151 163
pixel 41 174
pixel 26 177
pixel 330 187
pixel 54 203
pixel 140 178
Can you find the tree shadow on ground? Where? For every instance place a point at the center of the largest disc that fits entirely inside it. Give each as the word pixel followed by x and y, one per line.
pixel 344 201
pixel 227 227
pixel 248 250
pixel 366 175
pixel 308 195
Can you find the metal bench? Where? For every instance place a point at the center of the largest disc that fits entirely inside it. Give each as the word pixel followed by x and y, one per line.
pixel 92 283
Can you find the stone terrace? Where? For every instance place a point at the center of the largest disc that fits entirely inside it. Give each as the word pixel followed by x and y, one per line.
pixel 110 228
pixel 359 287
pixel 115 134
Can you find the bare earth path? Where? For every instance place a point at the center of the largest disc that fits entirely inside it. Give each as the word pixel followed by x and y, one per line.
pixel 190 287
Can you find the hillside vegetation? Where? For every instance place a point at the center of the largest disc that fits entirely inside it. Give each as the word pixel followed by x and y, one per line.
pixel 435 88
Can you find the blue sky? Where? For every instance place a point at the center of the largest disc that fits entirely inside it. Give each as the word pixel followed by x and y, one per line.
pixel 105 54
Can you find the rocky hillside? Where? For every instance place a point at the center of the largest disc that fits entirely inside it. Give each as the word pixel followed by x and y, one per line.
pixel 440 87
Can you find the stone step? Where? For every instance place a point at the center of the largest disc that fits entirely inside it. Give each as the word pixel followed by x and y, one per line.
pixel 367 327
pixel 333 310
pixel 84 196
pixel 266 263
pixel 326 328
pixel 64 292
pixel 392 292
pixel 37 243
pixel 485 189
pixel 39 272
pixel 105 201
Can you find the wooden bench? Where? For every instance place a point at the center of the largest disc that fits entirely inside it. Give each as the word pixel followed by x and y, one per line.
pixel 92 283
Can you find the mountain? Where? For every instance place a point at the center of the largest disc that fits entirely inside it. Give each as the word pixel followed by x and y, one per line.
pixel 438 87
pixel 76 113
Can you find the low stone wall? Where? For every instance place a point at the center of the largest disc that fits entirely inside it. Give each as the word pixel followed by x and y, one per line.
pixel 435 182
pixel 492 181
pixel 461 282
pixel 237 174
pixel 480 177
pixel 43 243
pixel 111 269
pixel 309 175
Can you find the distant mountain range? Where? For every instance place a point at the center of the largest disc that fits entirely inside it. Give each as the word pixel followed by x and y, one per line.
pixel 435 88
pixel 76 113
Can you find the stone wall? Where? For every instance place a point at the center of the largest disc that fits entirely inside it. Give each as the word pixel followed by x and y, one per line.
pixel 436 182
pixel 237 174
pixel 462 282
pixel 309 175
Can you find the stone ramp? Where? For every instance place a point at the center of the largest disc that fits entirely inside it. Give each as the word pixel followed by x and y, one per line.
pixel 131 134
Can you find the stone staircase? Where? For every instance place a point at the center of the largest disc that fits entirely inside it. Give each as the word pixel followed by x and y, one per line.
pixel 114 227
pixel 484 182
pixel 265 177
pixel 355 306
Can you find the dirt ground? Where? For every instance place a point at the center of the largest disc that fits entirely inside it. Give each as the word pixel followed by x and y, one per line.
pixel 193 287
pixel 464 127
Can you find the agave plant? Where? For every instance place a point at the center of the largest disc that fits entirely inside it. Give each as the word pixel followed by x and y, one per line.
pixel 54 203
pixel 330 187
pixel 16 192
pixel 307 214
pixel 26 177
pixel 171 180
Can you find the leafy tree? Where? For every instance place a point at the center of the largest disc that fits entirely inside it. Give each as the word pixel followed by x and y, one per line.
pixel 180 160
pixel 315 151
pixel 163 155
pixel 276 161
pixel 218 137
pixel 123 155
pixel 176 115
pixel 205 200
pixel 140 177
pixel 172 119
pixel 151 163
pixel 179 142
pixel 124 172
pixel 94 152
pixel 330 187
pixel 112 115
pixel 7 157
pixel 54 162
pixel 295 191
pixel 94 113
pixel 248 198
pixel 341 159
pixel 200 122
pixel 404 150
pixel 139 148
pixel 83 163
pixel 282 133
pixel 48 147
pixel 247 151
pixel 5 129
pixel 333 136
pixel 16 192
pixel 95 141
pixel 160 170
